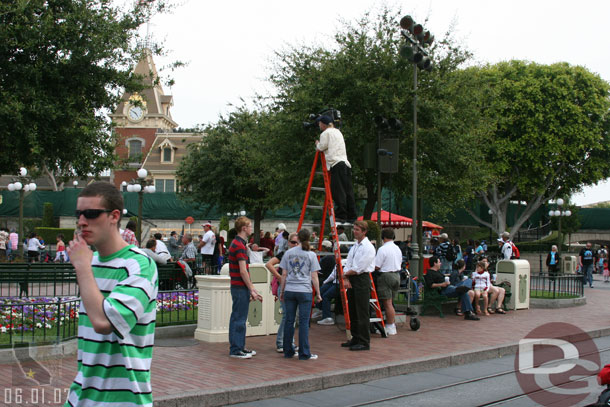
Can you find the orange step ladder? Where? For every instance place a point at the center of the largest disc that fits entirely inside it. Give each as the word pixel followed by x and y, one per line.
pixel 328 210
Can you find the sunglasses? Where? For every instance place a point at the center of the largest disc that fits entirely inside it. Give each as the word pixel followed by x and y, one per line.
pixel 294 242
pixel 91 213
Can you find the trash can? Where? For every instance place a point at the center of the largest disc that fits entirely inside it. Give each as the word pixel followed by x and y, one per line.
pixel 215 304
pixel 570 263
pixel 517 273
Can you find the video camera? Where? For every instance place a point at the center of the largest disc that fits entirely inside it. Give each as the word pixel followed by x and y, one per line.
pixel 315 118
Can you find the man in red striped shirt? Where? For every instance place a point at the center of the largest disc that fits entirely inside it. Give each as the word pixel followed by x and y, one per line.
pixel 242 290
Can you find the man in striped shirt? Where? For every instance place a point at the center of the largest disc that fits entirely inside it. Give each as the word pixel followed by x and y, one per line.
pixel 242 290
pixel 118 286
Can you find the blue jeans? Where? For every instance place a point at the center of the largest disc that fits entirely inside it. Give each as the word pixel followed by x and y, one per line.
pixel 328 291
pixel 292 300
pixel 449 291
pixel 279 339
pixel 587 274
pixel 239 315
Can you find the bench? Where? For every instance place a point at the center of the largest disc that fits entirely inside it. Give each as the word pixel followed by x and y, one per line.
pixel 26 276
pixel 432 298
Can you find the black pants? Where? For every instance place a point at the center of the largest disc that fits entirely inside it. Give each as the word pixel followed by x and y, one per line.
pixel 343 192
pixel 358 302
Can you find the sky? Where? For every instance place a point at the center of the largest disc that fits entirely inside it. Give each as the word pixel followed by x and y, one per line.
pixel 229 45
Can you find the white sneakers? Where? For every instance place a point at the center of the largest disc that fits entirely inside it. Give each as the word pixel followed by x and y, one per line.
pixel 390 329
pixel 326 321
pixel 317 313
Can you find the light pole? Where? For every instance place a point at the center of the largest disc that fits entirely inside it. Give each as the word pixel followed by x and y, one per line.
pixel 23 184
pixel 141 186
pixel 559 213
pixel 416 38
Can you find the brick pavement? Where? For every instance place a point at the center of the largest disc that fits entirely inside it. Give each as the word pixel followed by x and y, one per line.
pixel 203 374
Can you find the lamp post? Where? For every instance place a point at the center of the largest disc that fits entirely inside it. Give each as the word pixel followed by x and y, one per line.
pixel 141 186
pixel 416 38
pixel 559 213
pixel 23 184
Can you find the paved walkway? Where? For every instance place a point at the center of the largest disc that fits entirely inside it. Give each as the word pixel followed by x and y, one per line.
pixel 203 374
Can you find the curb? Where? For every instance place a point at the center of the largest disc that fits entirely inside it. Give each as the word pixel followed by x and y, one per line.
pixel 303 384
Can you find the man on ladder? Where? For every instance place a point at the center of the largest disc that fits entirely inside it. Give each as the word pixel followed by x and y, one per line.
pixel 332 144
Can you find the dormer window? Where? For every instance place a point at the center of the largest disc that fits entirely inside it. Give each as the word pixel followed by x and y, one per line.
pixel 167 151
pixel 167 155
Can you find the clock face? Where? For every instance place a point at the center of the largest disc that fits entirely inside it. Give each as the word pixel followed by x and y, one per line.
pixel 135 113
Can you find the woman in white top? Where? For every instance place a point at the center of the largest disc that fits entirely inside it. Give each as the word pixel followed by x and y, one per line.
pixel 300 268
pixel 34 247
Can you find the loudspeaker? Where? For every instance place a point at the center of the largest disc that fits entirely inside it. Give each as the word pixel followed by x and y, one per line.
pixel 388 164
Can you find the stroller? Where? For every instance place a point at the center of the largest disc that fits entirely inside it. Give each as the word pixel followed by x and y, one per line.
pixel 409 288
pixel 603 378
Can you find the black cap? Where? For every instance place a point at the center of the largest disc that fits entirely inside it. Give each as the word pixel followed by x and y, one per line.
pixel 325 119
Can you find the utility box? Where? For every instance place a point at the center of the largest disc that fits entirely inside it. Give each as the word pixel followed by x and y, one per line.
pixel 215 305
pixel 517 273
pixel 570 264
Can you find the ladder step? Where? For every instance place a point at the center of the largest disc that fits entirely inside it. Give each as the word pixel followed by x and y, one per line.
pixel 376 319
pixel 320 207
pixel 372 300
pixel 311 224
pixel 320 189
pixel 319 173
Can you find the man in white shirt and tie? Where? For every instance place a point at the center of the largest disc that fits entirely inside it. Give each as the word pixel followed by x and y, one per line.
pixel 356 278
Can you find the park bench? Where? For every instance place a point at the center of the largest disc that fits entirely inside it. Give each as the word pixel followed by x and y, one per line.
pixel 27 275
pixel 432 298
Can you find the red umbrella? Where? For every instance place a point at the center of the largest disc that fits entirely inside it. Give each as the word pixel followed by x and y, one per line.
pixel 430 225
pixel 397 221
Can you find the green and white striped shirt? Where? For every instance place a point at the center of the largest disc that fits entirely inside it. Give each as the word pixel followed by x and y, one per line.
pixel 114 369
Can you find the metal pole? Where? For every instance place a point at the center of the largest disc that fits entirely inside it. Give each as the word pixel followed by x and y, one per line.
pixel 414 262
pixel 20 242
pixel 377 158
pixel 139 228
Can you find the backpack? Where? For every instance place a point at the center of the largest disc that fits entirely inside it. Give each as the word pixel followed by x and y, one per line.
pixel 516 254
pixel 450 254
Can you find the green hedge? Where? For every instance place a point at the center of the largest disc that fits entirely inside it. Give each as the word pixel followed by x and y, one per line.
pixel 49 235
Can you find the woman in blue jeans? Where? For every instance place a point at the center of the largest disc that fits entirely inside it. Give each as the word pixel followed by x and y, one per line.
pixel 300 268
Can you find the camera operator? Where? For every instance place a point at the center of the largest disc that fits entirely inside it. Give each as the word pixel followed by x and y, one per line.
pixel 332 144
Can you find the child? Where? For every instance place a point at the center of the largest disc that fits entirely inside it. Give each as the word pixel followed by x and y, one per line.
pixel 606 272
pixel 481 284
pixel 60 254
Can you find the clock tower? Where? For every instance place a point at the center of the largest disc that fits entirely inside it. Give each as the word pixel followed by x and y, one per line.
pixel 138 119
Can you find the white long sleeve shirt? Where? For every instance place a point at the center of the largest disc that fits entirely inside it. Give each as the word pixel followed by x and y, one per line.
pixel 361 257
pixel 332 145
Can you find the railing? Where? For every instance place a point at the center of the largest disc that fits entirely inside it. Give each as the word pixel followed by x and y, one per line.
pixel 533 234
pixel 38 283
pixel 25 321
pixel 47 320
pixel 556 286
pixel 178 307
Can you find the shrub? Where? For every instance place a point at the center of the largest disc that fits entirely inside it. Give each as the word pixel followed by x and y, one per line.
pixel 47 215
pixel 49 234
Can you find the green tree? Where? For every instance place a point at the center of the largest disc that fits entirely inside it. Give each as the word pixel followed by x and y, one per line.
pixel 64 64
pixel 549 136
pixel 233 167
pixel 362 75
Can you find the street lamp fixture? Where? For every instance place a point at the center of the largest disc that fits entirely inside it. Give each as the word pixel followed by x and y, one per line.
pixel 22 183
pixel 417 39
pixel 141 186
pixel 559 212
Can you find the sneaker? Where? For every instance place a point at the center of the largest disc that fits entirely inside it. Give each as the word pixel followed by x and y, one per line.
pixel 326 321
pixel 390 330
pixel 317 313
pixel 249 352
pixel 279 349
pixel 471 316
pixel 241 355
pixel 313 357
